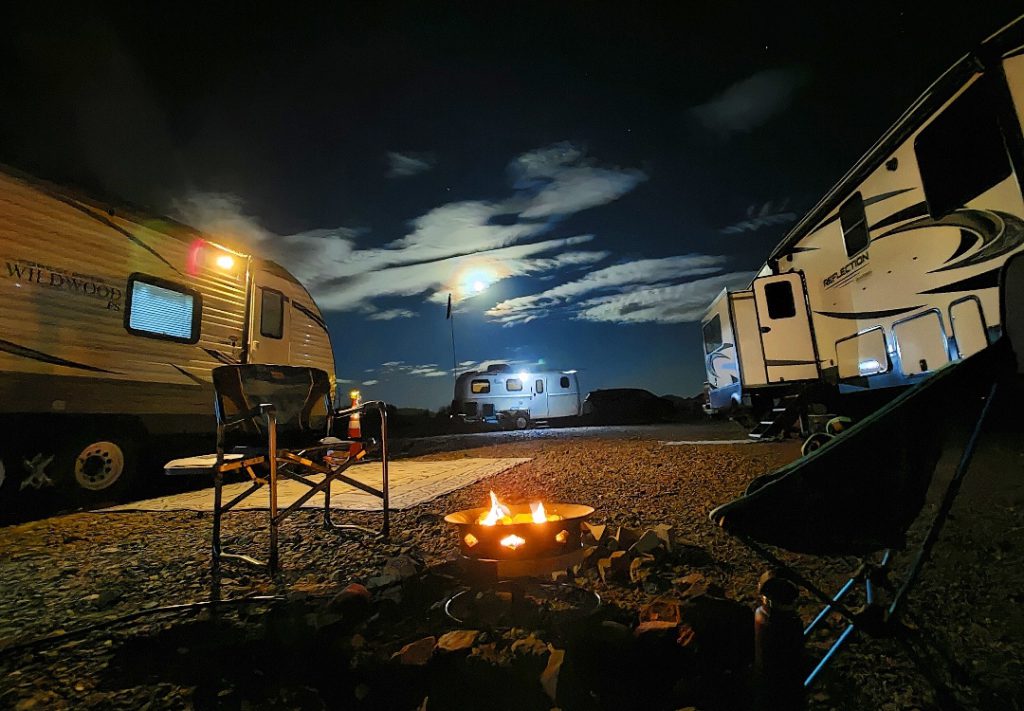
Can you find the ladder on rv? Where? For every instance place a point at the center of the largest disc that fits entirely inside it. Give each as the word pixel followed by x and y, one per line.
pixel 780 419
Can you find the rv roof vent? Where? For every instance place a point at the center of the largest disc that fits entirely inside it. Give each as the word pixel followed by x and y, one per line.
pixel 499 368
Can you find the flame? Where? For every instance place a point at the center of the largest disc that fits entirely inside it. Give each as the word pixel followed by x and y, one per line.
pixel 498 512
pixel 539 516
pixel 512 541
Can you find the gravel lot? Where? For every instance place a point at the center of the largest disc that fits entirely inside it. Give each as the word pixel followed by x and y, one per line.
pixel 61 573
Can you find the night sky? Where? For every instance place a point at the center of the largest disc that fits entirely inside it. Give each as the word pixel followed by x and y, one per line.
pixel 583 177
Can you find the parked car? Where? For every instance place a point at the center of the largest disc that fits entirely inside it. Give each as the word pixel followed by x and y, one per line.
pixel 625 406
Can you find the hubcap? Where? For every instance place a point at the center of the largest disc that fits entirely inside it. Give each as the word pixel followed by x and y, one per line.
pixel 99 465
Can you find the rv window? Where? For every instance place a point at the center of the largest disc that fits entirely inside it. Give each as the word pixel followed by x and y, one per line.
pixel 513 384
pixel 539 386
pixel 162 309
pixel 713 334
pixel 564 382
pixel 271 313
pixel 854 224
pixel 961 153
pixel 779 297
pixel 479 387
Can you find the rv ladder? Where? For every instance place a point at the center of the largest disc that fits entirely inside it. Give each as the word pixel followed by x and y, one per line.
pixel 780 419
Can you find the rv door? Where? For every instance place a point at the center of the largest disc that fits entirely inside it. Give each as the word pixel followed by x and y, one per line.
pixel 270 320
pixel 785 326
pixel 539 403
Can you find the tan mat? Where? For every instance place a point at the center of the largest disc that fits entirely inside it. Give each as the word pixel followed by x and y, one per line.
pixel 412 483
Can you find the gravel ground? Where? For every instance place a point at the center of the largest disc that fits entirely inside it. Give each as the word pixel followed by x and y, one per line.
pixel 61 573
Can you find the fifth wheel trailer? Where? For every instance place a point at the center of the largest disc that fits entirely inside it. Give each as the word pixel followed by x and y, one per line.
pixel 909 263
pixel 110 324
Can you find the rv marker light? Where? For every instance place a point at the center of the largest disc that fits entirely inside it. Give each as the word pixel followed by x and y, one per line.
pixel 225 261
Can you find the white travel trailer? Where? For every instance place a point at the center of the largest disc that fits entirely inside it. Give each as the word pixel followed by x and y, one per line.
pixel 905 265
pixel 515 399
pixel 110 324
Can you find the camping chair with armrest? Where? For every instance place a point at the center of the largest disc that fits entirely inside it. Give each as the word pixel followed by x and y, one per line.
pixel 860 492
pixel 279 419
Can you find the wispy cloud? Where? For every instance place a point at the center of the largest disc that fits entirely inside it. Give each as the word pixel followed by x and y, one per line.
pixel 398 368
pixel 370 382
pixel 502 238
pixel 766 215
pixel 751 102
pixel 619 280
pixel 404 165
pixel 390 314
pixel 674 303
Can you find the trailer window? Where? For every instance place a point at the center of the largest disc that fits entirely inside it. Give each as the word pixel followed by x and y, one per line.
pixel 513 385
pixel 271 313
pixel 855 224
pixel 713 334
pixel 539 386
pixel 778 295
pixel 480 387
pixel 564 382
pixel 158 308
pixel 961 153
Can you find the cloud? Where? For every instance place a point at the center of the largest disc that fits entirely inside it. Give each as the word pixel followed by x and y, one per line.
pixel 404 165
pixel 500 238
pixel 370 382
pixel 397 368
pixel 751 102
pixel 767 215
pixel 391 314
pixel 620 278
pixel 674 303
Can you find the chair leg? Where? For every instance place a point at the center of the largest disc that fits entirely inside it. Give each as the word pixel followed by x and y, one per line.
pixel 218 481
pixel 272 456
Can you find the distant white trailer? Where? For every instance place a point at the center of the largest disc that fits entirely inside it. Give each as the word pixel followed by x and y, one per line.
pixel 912 261
pixel 110 324
pixel 515 399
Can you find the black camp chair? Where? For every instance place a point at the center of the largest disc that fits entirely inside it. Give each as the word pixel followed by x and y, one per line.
pixel 860 492
pixel 279 420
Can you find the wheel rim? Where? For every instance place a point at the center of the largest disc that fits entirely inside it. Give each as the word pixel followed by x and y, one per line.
pixel 99 465
pixel 521 422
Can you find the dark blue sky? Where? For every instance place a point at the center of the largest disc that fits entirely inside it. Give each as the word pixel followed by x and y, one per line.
pixel 602 169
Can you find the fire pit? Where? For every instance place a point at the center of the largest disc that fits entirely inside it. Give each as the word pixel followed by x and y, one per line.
pixel 505 545
pixel 519 531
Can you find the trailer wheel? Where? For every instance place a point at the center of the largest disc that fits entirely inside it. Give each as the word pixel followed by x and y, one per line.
pixel 521 420
pixel 97 466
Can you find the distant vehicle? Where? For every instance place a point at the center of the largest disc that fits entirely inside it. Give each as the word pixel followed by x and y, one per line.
pixel 906 265
pixel 626 406
pixel 515 399
pixel 110 324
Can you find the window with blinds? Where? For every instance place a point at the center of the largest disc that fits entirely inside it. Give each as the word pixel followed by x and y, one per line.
pixel 161 309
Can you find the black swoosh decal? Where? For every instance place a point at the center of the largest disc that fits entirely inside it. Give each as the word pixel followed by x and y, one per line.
pixel 312 315
pixel 867 201
pixel 15 349
pixel 221 357
pixel 111 225
pixel 1009 237
pixel 790 362
pixel 984 280
pixel 187 374
pixel 967 240
pixel 867 314
pixel 918 210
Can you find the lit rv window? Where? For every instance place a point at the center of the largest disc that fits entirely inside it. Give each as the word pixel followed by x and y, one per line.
pixel 479 387
pixel 271 313
pixel 961 153
pixel 162 309
pixel 778 295
pixel 539 386
pixel 513 384
pixel 713 334
pixel 564 382
pixel 854 224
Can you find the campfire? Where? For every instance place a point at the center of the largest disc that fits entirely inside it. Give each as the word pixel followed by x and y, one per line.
pixel 519 531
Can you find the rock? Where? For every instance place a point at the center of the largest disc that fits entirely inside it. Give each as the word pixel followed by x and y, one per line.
pixel 416 653
pixel 640 568
pixel 560 576
pixel 401 567
pixel 655 627
pixel 529 645
pixel 626 536
pixel 549 677
pixel 663 609
pixel 723 630
pixel 647 543
pixel 664 532
pixel 457 640
pixel 596 531
pixel 615 565
pixel 352 603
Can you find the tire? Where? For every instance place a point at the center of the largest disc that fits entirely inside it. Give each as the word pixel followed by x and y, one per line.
pixel 98 465
pixel 521 420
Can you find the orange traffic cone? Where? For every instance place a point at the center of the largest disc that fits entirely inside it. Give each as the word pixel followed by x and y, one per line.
pixel 355 429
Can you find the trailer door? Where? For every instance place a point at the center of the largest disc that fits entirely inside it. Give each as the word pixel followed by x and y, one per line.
pixel 785 325
pixel 539 403
pixel 270 320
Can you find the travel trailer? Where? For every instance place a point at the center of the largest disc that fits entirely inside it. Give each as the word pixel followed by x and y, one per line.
pixel 500 396
pixel 110 324
pixel 905 265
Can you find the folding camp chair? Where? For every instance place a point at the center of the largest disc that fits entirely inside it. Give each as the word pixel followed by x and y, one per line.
pixel 281 418
pixel 861 491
